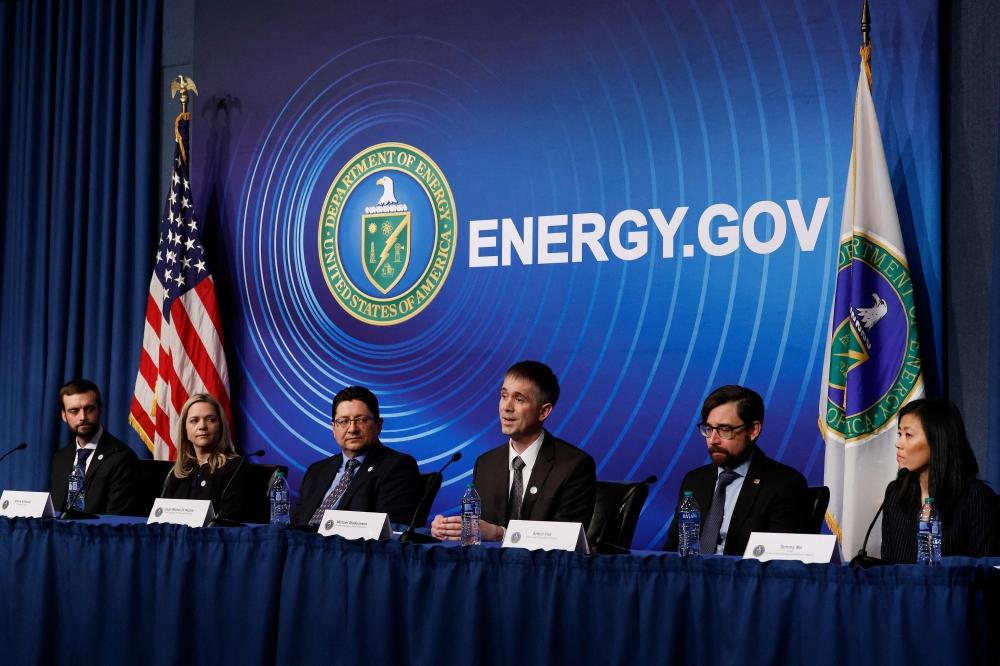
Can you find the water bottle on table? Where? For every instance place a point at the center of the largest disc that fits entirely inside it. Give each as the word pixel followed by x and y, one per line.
pixel 472 508
pixel 279 499
pixel 76 478
pixel 929 534
pixel 689 528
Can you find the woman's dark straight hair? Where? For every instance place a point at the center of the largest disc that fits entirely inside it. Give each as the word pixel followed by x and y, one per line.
pixel 953 466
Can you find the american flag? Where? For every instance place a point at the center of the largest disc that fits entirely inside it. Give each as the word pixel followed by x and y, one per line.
pixel 182 352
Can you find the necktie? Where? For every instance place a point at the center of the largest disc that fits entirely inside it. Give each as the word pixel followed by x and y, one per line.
pixel 710 531
pixel 516 490
pixel 81 458
pixel 332 498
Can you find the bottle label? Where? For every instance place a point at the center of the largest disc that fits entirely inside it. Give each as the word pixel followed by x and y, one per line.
pixel 691 516
pixel 924 526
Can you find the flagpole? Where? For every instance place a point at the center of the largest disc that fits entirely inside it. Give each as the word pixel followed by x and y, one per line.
pixel 182 86
pixel 866 43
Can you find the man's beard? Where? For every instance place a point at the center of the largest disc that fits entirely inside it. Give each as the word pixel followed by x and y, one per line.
pixel 84 430
pixel 730 461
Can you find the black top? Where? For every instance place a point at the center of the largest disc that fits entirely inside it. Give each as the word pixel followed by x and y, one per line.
pixel 773 499
pixel 387 482
pixel 112 481
pixel 974 529
pixel 202 484
pixel 563 479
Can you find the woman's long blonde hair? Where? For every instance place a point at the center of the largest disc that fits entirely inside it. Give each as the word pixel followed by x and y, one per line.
pixel 187 461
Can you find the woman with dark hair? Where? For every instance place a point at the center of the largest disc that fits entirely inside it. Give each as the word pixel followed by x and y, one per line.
pixel 933 446
pixel 206 461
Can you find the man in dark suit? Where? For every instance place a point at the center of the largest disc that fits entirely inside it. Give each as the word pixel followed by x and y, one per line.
pixel 742 490
pixel 112 474
pixel 366 475
pixel 534 475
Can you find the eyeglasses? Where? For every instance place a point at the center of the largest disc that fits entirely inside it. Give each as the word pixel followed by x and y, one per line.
pixel 725 431
pixel 360 421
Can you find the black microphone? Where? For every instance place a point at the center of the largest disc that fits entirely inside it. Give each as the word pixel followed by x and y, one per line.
pixel 219 521
pixel 417 537
pixel 861 559
pixel 74 514
pixel 19 447
pixel 649 480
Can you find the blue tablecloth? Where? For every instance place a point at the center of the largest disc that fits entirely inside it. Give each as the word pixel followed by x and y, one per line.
pixel 106 593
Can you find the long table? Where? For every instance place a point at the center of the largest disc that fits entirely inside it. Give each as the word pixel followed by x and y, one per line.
pixel 82 593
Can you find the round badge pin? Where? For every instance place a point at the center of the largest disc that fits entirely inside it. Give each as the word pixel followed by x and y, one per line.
pixel 370 468
pixel 100 457
pixel 203 484
pixel 534 490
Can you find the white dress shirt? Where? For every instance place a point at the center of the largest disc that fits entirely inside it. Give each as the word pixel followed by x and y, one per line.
pixel 91 446
pixel 529 456
pixel 732 494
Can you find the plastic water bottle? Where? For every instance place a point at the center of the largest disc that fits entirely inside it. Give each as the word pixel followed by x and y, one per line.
pixel 689 534
pixel 929 534
pixel 76 478
pixel 472 508
pixel 279 500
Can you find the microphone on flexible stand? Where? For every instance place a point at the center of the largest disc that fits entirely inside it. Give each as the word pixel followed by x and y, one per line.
pixel 861 559
pixel 219 521
pixel 74 514
pixel 416 537
pixel 19 447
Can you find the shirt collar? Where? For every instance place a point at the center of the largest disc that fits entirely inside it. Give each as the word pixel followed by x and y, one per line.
pixel 743 467
pixel 92 444
pixel 360 458
pixel 529 455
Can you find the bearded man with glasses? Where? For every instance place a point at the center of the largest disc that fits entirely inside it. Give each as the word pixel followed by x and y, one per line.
pixel 741 490
pixel 365 475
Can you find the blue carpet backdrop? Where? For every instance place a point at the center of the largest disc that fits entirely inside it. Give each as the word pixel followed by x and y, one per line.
pixel 645 195
pixel 78 137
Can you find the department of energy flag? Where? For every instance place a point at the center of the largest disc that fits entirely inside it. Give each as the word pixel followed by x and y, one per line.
pixel 182 351
pixel 872 355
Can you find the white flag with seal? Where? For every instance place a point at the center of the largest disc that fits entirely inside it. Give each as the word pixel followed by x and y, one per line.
pixel 872 354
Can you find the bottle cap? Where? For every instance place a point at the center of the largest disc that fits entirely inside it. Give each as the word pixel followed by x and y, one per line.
pixel 688 493
pixel 279 473
pixel 470 485
pixel 929 500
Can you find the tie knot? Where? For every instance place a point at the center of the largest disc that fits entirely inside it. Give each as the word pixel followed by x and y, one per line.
pixel 518 464
pixel 727 477
pixel 352 464
pixel 81 456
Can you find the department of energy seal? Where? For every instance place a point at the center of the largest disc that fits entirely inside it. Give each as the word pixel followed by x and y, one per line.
pixel 387 234
pixel 874 354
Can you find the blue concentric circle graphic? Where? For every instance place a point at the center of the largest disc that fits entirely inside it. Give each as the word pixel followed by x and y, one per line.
pixel 581 145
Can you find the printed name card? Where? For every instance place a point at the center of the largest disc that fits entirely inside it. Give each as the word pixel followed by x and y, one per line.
pixel 18 503
pixel 193 513
pixel 545 535
pixel 356 525
pixel 809 548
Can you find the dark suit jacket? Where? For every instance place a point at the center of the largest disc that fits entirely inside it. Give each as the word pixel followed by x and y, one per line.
pixel 213 488
pixel 777 503
pixel 387 482
pixel 112 481
pixel 563 474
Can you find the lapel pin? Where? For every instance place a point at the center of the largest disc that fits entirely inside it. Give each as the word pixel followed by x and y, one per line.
pixel 100 457
pixel 534 490
pixel 370 468
pixel 757 481
pixel 202 484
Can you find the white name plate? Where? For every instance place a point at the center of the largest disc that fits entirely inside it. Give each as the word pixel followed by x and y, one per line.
pixel 546 535
pixel 356 525
pixel 22 504
pixel 809 548
pixel 193 513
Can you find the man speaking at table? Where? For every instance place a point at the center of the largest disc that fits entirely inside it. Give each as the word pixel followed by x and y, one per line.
pixel 533 476
pixel 366 475
pixel 111 468
pixel 742 490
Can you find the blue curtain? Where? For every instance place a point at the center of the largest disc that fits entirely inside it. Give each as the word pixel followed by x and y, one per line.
pixel 992 471
pixel 79 129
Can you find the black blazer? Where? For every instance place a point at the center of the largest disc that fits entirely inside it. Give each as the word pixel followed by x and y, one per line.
pixel 387 482
pixel 209 486
pixel 972 531
pixel 112 481
pixel 772 499
pixel 563 474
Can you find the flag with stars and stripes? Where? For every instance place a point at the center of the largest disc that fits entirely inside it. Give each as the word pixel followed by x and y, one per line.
pixel 182 352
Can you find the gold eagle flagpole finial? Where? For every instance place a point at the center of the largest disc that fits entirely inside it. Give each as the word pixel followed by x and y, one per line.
pixel 866 43
pixel 182 86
